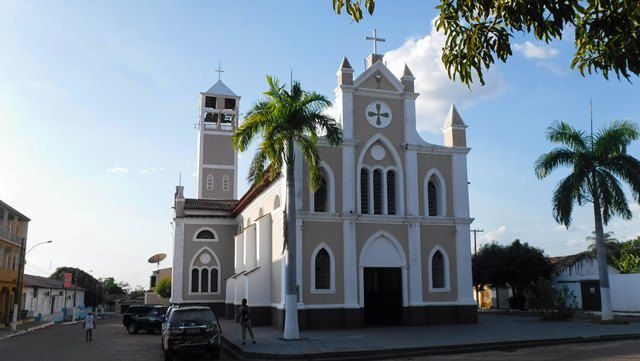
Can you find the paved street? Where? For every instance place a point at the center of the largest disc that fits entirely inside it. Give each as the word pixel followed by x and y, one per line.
pixel 609 351
pixel 66 342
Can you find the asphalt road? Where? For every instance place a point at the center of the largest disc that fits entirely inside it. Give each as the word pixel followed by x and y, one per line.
pixel 110 342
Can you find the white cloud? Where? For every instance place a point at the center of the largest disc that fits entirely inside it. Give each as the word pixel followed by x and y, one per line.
pixel 492 235
pixel 533 51
pixel 151 170
pixel 437 91
pixel 118 169
pixel 576 241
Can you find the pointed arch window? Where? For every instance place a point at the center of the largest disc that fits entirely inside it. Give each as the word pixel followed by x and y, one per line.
pixel 322 270
pixel 205 272
pixel 195 280
pixel 210 182
pixel 391 192
pixel 204 280
pixel 320 196
pixel 437 270
pixel 364 191
pixel 377 191
pixel 276 202
pixel 432 198
pixel 225 183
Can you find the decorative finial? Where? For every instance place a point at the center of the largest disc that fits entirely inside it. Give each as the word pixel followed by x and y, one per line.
pixel 375 40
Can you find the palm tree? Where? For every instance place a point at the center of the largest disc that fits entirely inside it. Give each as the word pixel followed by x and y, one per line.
pixel 598 162
pixel 611 244
pixel 287 119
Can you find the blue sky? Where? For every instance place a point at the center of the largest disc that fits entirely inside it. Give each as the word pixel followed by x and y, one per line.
pixel 98 102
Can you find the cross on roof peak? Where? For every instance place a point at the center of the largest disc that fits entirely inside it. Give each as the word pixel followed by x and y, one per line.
pixel 219 70
pixel 375 40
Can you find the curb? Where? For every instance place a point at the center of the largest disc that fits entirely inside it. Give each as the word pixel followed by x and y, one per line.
pixel 20 332
pixel 419 351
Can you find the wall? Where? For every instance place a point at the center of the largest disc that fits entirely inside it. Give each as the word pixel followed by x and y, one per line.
pixel 625 292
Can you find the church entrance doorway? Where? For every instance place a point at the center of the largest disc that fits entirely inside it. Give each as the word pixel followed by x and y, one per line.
pixel 382 296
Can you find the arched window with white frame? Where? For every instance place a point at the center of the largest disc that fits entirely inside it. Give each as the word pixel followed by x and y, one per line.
pixel 205 234
pixel 377 192
pixel 439 270
pixel 210 182
pixel 435 203
pixel 205 272
pixel 322 270
pixel 391 192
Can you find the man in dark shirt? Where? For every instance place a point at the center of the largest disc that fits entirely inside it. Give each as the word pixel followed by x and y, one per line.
pixel 244 316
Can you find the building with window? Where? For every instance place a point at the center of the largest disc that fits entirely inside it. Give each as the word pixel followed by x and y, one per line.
pixel 383 240
pixel 47 300
pixel 13 239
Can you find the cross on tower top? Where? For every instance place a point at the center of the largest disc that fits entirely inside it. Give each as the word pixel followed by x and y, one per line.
pixel 375 40
pixel 219 70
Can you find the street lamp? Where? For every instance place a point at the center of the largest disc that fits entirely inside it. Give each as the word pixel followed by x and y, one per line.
pixel 17 295
pixel 36 245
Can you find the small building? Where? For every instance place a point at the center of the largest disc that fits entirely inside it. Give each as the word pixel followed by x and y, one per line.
pixel 151 297
pixel 13 239
pixel 579 273
pixel 46 299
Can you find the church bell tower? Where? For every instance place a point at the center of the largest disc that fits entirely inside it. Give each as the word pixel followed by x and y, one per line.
pixel 217 162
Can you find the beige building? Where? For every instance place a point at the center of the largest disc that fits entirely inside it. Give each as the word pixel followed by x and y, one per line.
pixel 13 239
pixel 385 240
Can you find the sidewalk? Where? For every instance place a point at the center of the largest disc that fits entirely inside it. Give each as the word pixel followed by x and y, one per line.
pixel 491 332
pixel 23 328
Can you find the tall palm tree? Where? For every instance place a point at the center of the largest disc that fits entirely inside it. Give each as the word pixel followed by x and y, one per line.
pixel 286 119
pixel 598 162
pixel 611 244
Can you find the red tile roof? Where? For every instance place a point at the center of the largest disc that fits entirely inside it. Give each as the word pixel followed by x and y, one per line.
pixel 225 205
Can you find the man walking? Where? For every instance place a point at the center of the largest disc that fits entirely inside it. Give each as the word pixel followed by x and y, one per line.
pixel 245 321
pixel 89 325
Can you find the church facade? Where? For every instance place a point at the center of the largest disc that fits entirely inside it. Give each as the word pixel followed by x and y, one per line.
pixel 385 240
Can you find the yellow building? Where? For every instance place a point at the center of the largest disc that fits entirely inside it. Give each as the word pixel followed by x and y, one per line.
pixel 13 238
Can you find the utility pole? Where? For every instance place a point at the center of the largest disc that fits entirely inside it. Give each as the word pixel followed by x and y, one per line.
pixel 475 251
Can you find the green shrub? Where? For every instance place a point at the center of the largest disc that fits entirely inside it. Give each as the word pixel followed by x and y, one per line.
pixel 163 288
pixel 552 303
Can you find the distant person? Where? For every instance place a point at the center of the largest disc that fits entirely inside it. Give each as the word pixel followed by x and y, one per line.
pixel 244 316
pixel 89 326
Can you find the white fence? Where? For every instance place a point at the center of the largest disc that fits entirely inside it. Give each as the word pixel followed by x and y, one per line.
pixel 625 292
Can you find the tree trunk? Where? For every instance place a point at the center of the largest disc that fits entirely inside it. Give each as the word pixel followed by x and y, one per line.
pixel 291 331
pixel 601 256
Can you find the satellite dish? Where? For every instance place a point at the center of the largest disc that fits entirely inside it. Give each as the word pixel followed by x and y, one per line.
pixel 157 258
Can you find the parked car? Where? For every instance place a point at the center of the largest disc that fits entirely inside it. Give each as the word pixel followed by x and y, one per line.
pixel 144 317
pixel 190 328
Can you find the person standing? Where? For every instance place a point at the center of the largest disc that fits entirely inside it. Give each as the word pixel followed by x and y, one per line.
pixel 244 316
pixel 89 326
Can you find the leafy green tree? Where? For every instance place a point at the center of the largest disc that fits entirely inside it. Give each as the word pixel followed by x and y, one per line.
pixel 597 162
pixel 286 119
pixel 93 294
pixel 518 265
pixel 111 287
pixel 163 288
pixel 627 263
pixel 611 243
pixel 607 33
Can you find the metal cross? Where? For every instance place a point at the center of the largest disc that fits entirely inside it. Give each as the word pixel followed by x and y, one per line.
pixel 375 40
pixel 219 70
pixel 377 114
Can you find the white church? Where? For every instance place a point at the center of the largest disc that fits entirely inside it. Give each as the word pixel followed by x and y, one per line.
pixel 385 240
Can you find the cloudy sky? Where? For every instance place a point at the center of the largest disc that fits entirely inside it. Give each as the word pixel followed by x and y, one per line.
pixel 98 102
